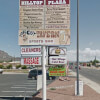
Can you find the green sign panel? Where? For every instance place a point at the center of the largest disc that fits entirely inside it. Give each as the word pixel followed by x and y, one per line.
pixel 57 71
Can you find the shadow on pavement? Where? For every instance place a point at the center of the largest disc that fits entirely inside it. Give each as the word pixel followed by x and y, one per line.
pixel 20 98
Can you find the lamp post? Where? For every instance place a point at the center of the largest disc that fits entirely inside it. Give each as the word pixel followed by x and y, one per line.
pixel 77 47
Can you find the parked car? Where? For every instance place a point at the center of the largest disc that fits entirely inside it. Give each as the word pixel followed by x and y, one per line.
pixel 79 67
pixel 1 71
pixel 34 72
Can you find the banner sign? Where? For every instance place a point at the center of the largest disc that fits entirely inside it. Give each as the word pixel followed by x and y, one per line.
pixel 31 61
pixel 57 60
pixel 44 37
pixel 56 71
pixel 57 51
pixel 36 50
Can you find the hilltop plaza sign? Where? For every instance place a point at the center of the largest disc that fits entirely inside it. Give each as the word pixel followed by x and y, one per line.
pixel 47 24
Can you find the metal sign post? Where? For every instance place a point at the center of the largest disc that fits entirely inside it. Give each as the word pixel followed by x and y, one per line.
pixel 44 74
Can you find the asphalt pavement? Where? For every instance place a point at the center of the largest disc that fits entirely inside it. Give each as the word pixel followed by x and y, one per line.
pixel 17 86
pixel 90 73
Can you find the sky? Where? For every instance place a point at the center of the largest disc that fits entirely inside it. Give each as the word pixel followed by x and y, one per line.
pixel 89 29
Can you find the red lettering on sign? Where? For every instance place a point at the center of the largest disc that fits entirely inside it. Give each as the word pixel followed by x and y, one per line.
pixel 31 60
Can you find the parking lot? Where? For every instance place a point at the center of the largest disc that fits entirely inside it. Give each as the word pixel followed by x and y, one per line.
pixel 17 85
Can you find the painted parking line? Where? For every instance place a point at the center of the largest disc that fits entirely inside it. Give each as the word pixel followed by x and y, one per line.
pixel 18 91
pixel 22 87
pixel 15 96
pixel 29 84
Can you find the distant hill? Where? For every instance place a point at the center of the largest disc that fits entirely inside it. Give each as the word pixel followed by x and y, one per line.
pixel 5 57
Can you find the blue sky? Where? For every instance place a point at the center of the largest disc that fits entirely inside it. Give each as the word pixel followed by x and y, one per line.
pixel 89 28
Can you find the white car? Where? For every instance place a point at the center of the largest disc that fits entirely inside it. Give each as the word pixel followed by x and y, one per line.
pixel 1 71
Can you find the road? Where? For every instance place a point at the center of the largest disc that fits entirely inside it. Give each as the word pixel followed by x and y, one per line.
pixel 17 85
pixel 90 73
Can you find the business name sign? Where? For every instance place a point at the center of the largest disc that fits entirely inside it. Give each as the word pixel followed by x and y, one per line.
pixel 44 25
pixel 31 14
pixel 36 50
pixel 31 2
pixel 31 61
pixel 57 60
pixel 44 37
pixel 57 51
pixel 56 71
pixel 57 14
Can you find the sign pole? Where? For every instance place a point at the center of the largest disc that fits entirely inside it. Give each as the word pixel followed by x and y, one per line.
pixel 44 74
pixel 77 47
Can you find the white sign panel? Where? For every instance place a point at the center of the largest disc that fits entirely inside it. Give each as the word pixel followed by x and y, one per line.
pixel 57 51
pixel 31 50
pixel 31 61
pixel 57 60
pixel 80 88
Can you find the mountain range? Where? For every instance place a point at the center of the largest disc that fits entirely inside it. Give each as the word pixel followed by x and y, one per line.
pixel 4 56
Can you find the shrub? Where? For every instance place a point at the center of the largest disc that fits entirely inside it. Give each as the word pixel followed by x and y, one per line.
pixel 1 66
pixel 18 66
pixel 24 67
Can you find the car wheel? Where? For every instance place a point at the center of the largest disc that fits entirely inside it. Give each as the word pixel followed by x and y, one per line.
pixel 1 72
pixel 35 77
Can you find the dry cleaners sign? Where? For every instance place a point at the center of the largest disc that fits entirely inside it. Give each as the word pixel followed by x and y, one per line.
pixel 31 50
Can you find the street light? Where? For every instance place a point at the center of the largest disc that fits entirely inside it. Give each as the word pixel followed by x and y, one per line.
pixel 77 47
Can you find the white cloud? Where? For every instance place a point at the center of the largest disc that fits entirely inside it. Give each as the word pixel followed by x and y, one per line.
pixel 84 55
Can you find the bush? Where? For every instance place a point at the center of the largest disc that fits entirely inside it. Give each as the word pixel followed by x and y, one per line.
pixel 1 66
pixel 18 66
pixel 9 66
pixel 24 67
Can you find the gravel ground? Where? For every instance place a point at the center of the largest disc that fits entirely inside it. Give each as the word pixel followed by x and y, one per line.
pixel 65 90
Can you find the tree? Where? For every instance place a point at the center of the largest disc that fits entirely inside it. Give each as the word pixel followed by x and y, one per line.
pixel 94 62
pixel 9 66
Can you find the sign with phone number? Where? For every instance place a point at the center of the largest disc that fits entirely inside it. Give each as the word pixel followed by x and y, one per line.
pixel 56 71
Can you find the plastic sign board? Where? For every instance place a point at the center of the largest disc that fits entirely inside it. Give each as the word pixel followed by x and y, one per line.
pixel 57 60
pixel 57 51
pixel 56 71
pixel 44 37
pixel 31 61
pixel 36 50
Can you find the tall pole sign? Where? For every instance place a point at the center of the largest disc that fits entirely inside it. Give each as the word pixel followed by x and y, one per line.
pixel 43 23
pixel 49 25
